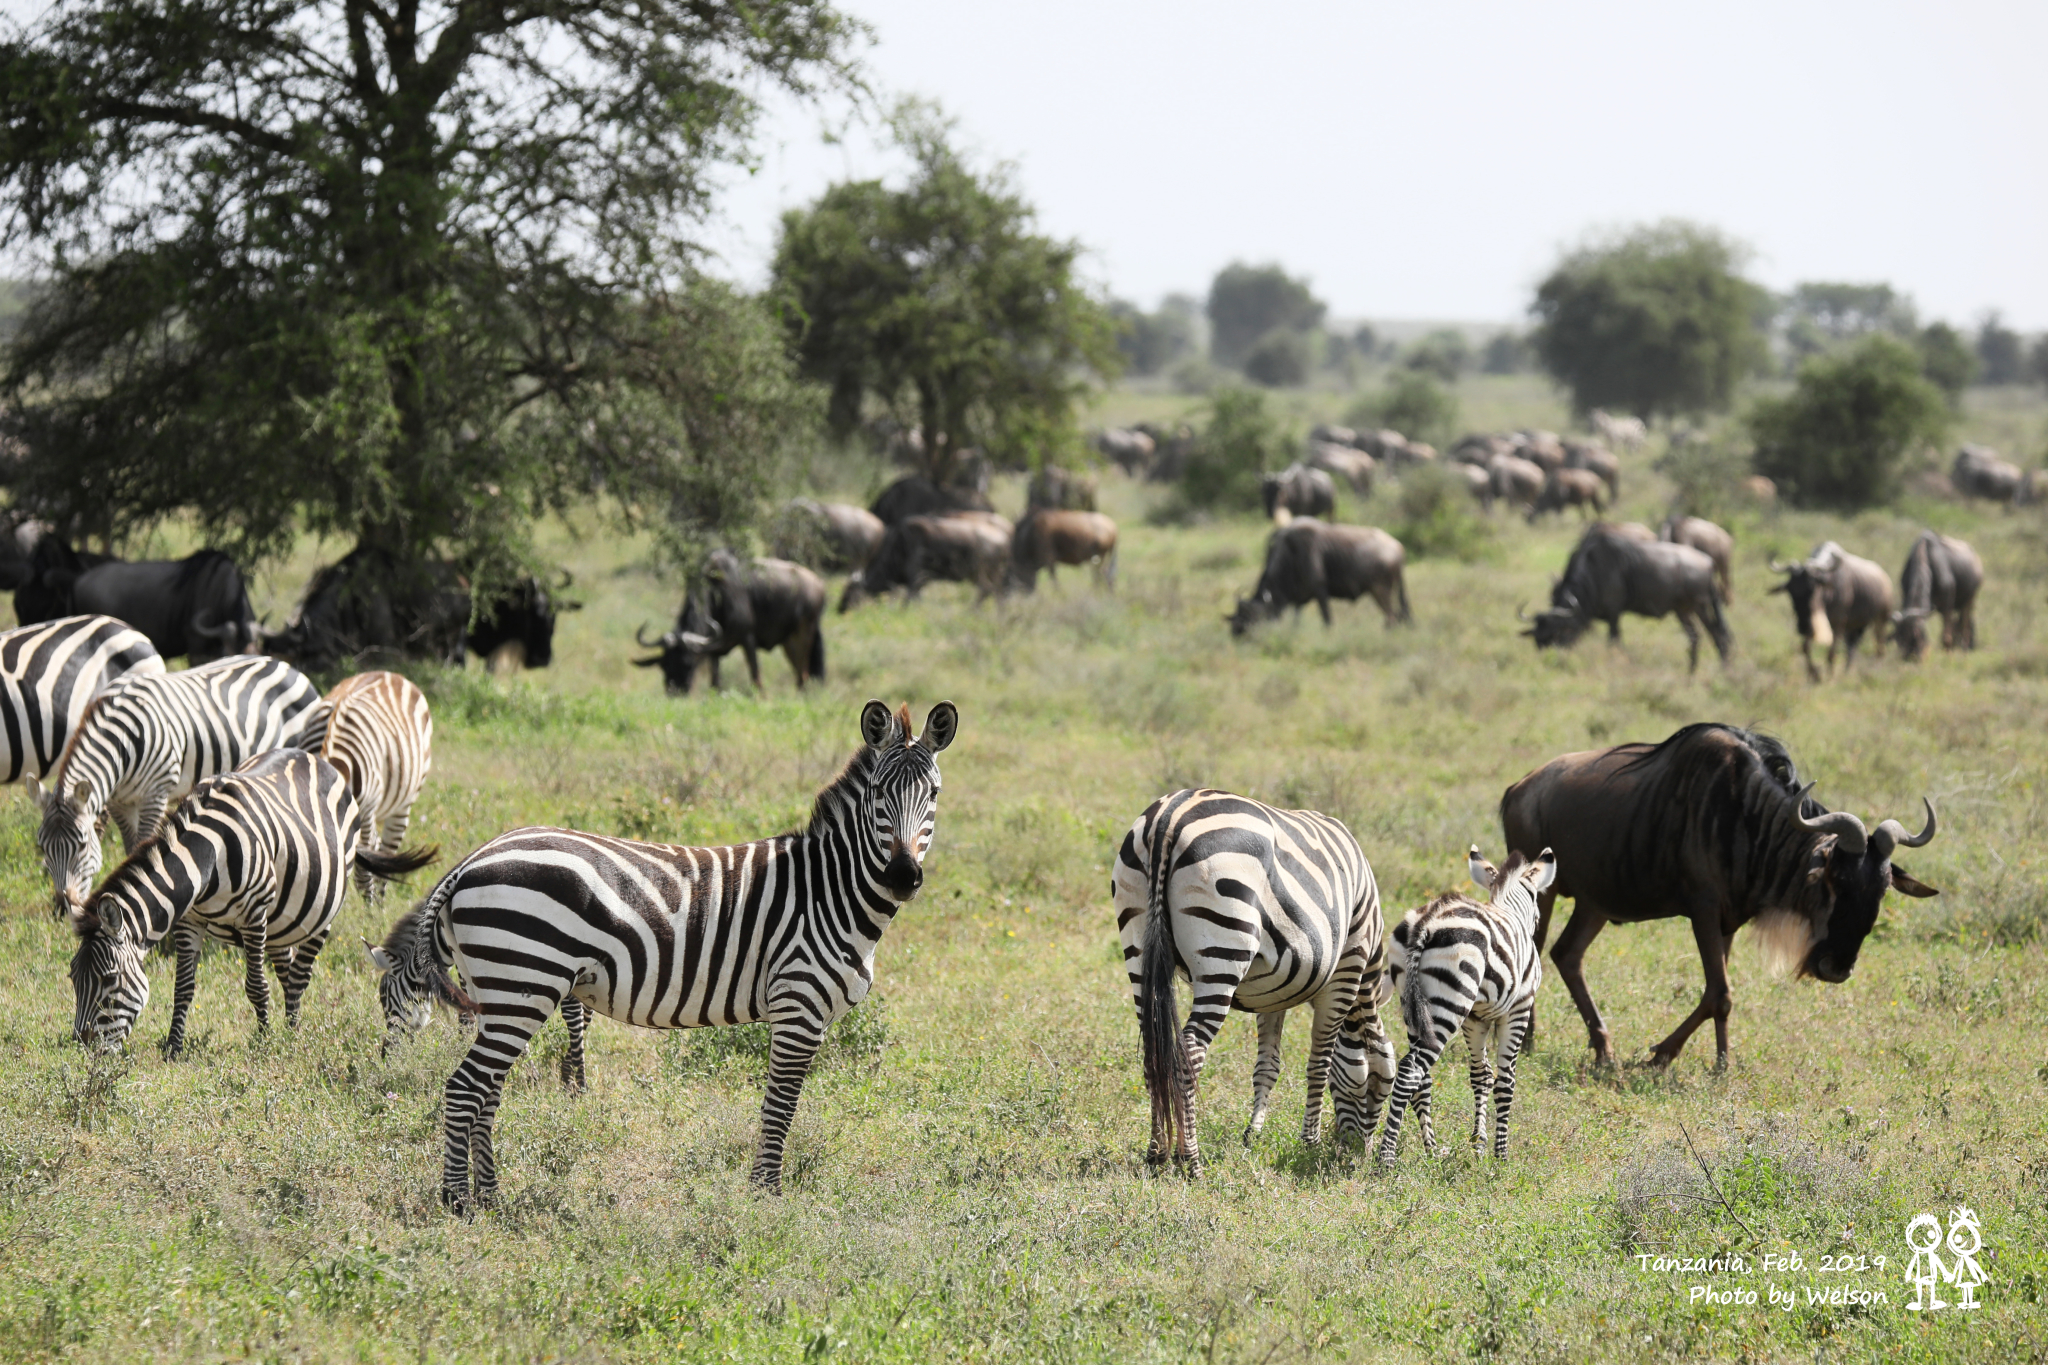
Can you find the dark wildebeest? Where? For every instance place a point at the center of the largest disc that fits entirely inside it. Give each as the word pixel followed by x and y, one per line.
pixel 1760 490
pixel 19 536
pixel 371 604
pixel 1978 472
pixel 518 629
pixel 966 547
pixel 1836 596
pixel 1332 434
pixel 1312 561
pixel 1476 479
pixel 1130 451
pixel 1542 448
pixel 1476 448
pixel 1048 538
pixel 1353 466
pixel 1581 455
pixel 765 604
pixel 1941 577
pixel 916 496
pixel 1611 572
pixel 1061 490
pixel 1516 481
pixel 1580 488
pixel 1299 491
pixel 1385 445
pixel 1709 826
pixel 831 537
pixel 196 607
pixel 44 589
pixel 1710 540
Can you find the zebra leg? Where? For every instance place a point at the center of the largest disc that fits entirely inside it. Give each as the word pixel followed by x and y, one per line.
pixel 254 982
pixel 1202 1028
pixel 1330 1006
pixel 469 1105
pixel 1516 1030
pixel 298 973
pixel 1361 1068
pixel 1267 1072
pixel 1476 1035
pixel 794 1043
pixel 576 1015
pixel 1411 1083
pixel 186 937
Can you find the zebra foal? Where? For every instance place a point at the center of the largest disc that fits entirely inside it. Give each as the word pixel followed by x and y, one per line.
pixel 49 673
pixel 380 736
pixel 259 858
pixel 1263 910
pixel 781 930
pixel 1458 963
pixel 145 740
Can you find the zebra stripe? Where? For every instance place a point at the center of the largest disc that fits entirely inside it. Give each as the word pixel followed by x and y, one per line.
pixel 49 672
pixel 782 930
pixel 380 735
pixel 1460 964
pixel 258 858
pixel 145 740
pixel 1263 910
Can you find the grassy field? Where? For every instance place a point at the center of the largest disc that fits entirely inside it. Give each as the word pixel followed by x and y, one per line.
pixel 966 1177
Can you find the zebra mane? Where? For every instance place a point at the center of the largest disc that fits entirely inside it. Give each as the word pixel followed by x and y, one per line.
pixel 92 708
pixel 844 791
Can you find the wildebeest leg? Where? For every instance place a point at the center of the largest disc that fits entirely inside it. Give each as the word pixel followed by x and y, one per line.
pixel 1813 670
pixel 715 686
pixel 1692 642
pixel 1579 932
pixel 1323 606
pixel 1614 631
pixel 753 664
pixel 1266 1072
pixel 1714 1003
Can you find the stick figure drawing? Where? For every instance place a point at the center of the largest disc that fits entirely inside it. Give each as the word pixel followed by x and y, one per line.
pixel 1965 1239
pixel 1925 1272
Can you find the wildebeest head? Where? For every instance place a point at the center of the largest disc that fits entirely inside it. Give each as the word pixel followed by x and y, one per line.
pixel 1909 629
pixel 1252 611
pixel 683 649
pixel 1560 626
pixel 1846 878
pixel 1806 583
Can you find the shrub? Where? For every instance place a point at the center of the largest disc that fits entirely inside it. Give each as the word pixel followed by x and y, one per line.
pixel 1947 360
pixel 1444 353
pixel 1279 359
pixel 1241 439
pixel 1842 436
pixel 1437 518
pixel 1413 404
pixel 1705 469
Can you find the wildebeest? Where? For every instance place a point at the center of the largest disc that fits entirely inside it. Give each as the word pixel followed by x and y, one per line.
pixel 1353 466
pixel 1516 481
pixel 831 537
pixel 518 629
pixel 1130 451
pixel 1542 448
pixel 762 605
pixel 372 603
pixel 966 547
pixel 1313 561
pixel 19 535
pixel 1710 540
pixel 1477 448
pixel 1300 491
pixel 1634 530
pixel 1062 490
pixel 1580 455
pixel 1580 488
pixel 1477 481
pixel 1384 444
pixel 44 587
pixel 1049 537
pixel 914 495
pixel 1978 472
pixel 196 607
pixel 1329 433
pixel 1836 596
pixel 1626 432
pixel 1708 826
pixel 1941 577
pixel 1610 573
pixel 1760 490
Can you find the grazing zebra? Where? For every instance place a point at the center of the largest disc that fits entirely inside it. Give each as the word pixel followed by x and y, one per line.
pixel 49 672
pixel 380 735
pixel 259 858
pixel 1460 964
pixel 145 740
pixel 1263 910
pixel 782 930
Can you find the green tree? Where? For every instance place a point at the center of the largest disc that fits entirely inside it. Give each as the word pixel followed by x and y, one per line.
pixel 1819 316
pixel 942 303
pixel 1280 360
pixel 1150 342
pixel 2001 355
pixel 1413 404
pixel 411 278
pixel 1240 439
pixel 1505 353
pixel 1657 322
pixel 1444 353
pixel 1947 360
pixel 1842 437
pixel 1246 302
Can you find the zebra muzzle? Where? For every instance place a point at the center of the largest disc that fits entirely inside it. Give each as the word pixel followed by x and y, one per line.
pixel 902 877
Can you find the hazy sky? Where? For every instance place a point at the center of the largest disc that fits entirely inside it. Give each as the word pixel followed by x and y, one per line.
pixel 1429 160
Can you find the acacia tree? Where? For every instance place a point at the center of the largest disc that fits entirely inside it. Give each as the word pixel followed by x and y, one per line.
pixel 406 272
pixel 942 304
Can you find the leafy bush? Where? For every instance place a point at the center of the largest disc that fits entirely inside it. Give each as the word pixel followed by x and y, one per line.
pixel 1705 469
pixel 1841 438
pixel 1413 404
pixel 1444 353
pixel 1198 374
pixel 1247 303
pixel 1947 360
pixel 1279 360
pixel 1241 439
pixel 1437 518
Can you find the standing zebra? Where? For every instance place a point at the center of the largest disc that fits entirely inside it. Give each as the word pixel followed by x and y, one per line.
pixel 1262 910
pixel 49 672
pixel 782 930
pixel 380 735
pixel 145 740
pixel 1460 964
pixel 259 858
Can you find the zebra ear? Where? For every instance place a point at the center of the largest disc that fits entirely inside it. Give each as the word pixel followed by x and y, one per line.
pixel 1482 871
pixel 385 961
pixel 941 723
pixel 1544 871
pixel 38 791
pixel 81 794
pixel 875 724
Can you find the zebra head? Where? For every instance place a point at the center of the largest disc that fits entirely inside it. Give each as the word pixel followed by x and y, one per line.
pixel 1516 884
pixel 903 790
pixel 108 984
pixel 69 838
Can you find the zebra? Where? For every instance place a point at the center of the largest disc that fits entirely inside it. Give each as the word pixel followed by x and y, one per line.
pixel 380 735
pixel 1457 964
pixel 145 740
pixel 781 930
pixel 259 858
pixel 1264 910
pixel 50 672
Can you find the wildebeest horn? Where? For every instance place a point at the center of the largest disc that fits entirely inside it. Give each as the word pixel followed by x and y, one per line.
pixel 1852 838
pixel 640 638
pixel 1890 833
pixel 1776 567
pixel 689 639
pixel 1522 613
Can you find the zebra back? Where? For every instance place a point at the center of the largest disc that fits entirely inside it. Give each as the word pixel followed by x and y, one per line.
pixel 380 735
pixel 49 673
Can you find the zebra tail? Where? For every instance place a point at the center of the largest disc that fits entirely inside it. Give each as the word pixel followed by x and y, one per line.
pixel 400 864
pixel 1166 1063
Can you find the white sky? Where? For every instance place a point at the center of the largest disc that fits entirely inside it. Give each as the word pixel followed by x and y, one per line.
pixel 1429 160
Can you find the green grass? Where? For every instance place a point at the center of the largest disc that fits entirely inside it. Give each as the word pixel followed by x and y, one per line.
pixel 965 1177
